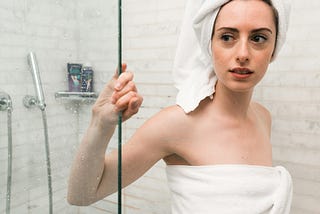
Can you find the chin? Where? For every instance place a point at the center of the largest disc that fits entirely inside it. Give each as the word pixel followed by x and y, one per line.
pixel 242 87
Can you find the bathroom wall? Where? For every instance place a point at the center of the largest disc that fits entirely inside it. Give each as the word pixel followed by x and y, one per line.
pixel 290 90
pixel 58 32
pixel 80 31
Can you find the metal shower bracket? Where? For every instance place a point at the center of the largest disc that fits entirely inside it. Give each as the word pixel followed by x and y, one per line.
pixel 30 101
pixel 5 102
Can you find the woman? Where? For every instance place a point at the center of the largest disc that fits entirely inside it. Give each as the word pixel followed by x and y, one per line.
pixel 215 141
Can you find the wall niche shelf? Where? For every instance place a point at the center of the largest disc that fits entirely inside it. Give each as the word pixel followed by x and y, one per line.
pixel 76 97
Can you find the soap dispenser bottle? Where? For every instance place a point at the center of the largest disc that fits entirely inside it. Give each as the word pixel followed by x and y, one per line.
pixel 87 78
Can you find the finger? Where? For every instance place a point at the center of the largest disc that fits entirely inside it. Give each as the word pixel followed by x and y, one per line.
pixel 123 79
pixel 133 107
pixel 123 102
pixel 109 87
pixel 135 104
pixel 130 86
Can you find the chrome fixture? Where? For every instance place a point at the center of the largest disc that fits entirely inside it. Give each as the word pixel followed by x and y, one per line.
pixel 5 101
pixel 34 69
pixel 6 105
pixel 38 101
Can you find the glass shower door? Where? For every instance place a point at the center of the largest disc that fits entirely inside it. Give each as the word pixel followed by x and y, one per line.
pixel 59 32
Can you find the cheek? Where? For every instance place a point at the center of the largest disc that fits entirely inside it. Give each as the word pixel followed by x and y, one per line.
pixel 216 63
pixel 265 59
pixel 218 57
pixel 219 64
pixel 262 66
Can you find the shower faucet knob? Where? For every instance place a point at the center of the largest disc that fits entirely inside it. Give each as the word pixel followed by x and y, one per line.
pixel 5 102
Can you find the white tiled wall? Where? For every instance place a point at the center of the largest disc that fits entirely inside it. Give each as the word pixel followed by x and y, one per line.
pixel 290 89
pixel 291 92
pixel 82 31
pixel 58 32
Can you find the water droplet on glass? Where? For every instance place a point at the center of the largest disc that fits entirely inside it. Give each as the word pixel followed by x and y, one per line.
pixel 65 36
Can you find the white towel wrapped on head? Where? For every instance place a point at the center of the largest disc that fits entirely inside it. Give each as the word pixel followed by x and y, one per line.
pixel 193 73
pixel 229 189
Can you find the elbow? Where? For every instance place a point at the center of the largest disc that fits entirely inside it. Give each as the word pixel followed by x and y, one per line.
pixel 78 199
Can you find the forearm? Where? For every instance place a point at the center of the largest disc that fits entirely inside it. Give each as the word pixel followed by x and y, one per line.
pixel 88 166
pixel 93 175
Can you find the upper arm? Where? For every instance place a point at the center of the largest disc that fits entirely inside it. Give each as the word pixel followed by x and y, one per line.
pixel 147 146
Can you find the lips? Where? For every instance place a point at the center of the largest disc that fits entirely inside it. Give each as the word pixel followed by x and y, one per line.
pixel 241 71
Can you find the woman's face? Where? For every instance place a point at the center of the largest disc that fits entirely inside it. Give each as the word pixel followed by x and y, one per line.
pixel 242 44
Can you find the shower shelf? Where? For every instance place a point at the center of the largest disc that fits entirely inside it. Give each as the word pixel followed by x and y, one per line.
pixel 78 97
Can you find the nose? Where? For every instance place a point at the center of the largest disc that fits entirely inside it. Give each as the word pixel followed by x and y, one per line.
pixel 243 53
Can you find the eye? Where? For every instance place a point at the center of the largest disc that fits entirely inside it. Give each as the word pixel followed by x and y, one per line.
pixel 259 38
pixel 227 37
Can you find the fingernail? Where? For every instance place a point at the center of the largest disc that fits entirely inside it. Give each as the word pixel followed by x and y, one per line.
pixel 134 104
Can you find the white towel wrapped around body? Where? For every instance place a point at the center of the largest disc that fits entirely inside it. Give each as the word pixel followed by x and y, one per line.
pixel 193 72
pixel 229 189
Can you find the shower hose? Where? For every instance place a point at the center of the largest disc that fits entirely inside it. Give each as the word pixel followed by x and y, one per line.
pixel 6 105
pixel 45 127
pixel 30 101
pixel 9 175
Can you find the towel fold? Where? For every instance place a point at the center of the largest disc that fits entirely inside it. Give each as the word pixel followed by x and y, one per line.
pixel 193 71
pixel 229 189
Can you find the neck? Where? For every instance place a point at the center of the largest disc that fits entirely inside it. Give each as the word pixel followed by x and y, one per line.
pixel 232 104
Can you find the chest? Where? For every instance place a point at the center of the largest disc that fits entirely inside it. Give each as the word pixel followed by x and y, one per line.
pixel 223 144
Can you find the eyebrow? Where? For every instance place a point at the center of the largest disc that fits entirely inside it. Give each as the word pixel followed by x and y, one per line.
pixel 237 31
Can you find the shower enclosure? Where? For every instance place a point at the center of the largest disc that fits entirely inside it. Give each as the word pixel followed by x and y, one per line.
pixel 38 139
pixel 59 32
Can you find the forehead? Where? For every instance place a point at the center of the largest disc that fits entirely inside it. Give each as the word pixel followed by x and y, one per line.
pixel 252 13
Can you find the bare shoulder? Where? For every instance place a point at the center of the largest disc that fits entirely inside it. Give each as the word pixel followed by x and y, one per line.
pixel 153 141
pixel 168 123
pixel 173 127
pixel 160 132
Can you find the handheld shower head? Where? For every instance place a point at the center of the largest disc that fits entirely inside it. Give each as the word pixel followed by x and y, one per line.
pixel 32 61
